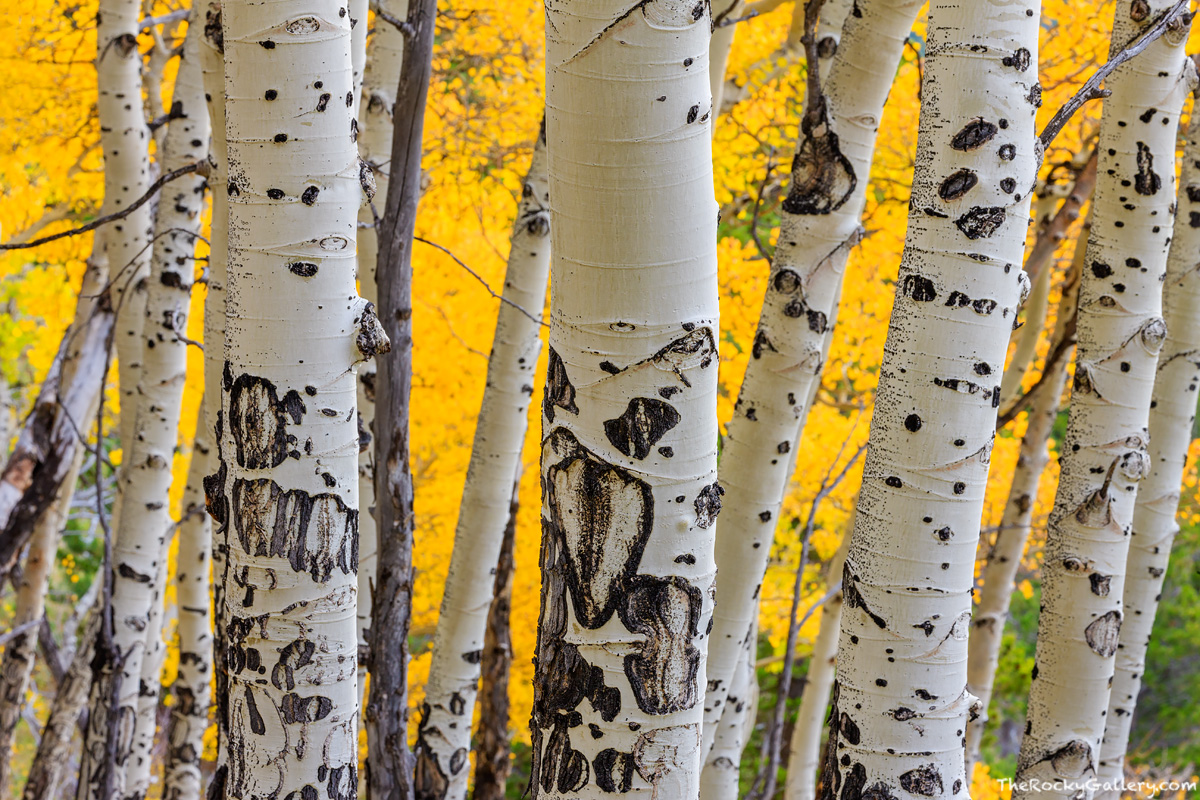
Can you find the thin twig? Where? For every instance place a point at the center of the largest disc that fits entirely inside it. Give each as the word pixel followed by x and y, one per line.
pixel 166 19
pixel 201 167
pixel 401 25
pixel 1091 88
pixel 482 282
pixel 762 250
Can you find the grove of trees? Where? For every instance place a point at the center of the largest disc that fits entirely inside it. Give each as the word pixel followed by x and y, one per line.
pixel 692 399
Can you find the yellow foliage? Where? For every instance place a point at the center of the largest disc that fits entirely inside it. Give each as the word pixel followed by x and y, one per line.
pixel 483 115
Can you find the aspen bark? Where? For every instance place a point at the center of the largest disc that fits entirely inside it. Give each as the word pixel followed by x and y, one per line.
pixel 819 226
pixel 19 651
pixel 493 748
pixel 212 67
pixel 141 534
pixel 1004 559
pixel 124 139
pixel 629 426
pixel 381 75
pixel 1037 265
pixel 1119 334
pixel 720 778
pixel 287 474
pixel 191 691
pixel 147 477
pixel 805 755
pixel 392 773
pixel 1172 412
pixel 485 510
pixel 718 49
pixel 54 750
pixel 900 704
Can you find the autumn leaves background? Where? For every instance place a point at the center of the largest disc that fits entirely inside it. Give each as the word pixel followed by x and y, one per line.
pixel 484 111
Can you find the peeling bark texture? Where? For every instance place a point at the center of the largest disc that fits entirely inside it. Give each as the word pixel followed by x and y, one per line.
pixel 19 652
pixel 719 779
pixel 212 67
pixel 143 528
pixel 293 340
pixel 54 750
pixel 629 491
pixel 805 749
pixel 191 691
pixel 1004 559
pixel 1119 334
pixel 381 76
pixel 900 703
pixel 1172 411
pixel 817 232
pixel 493 746
pixel 125 140
pixel 485 510
pixel 393 773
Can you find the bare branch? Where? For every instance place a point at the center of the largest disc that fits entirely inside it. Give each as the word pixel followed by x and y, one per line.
pixel 179 15
pixel 201 167
pixel 482 282
pixel 401 25
pixel 1091 88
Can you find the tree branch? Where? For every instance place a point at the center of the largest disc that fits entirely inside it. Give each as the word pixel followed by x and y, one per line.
pixel 201 167
pixel 1091 88
pixel 401 25
pixel 482 282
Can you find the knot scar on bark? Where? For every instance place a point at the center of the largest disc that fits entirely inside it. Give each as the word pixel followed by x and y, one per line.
pixel 371 339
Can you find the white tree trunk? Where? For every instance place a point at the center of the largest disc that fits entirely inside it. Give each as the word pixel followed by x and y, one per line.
pixel 1004 558
pixel 819 226
pixel 718 49
pixel 805 748
pixel 147 477
pixel 295 329
pixel 1172 412
pixel 191 691
pixel 140 539
pixel 212 66
pixel 453 682
pixel 124 139
pixel 629 416
pixel 381 76
pixel 900 703
pixel 719 779
pixel 1119 333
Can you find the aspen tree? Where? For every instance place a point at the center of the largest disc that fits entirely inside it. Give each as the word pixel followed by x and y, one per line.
pixel 629 425
pixel 805 751
pixel 719 779
pixel 212 67
pixel 295 330
pixel 54 750
pixel 484 513
pixel 719 46
pixel 394 772
pixel 1004 558
pixel 381 75
pixel 147 476
pixel 19 652
pixel 818 227
pixel 493 745
pixel 140 539
pixel 1172 412
pixel 900 704
pixel 191 692
pixel 1119 334
pixel 124 139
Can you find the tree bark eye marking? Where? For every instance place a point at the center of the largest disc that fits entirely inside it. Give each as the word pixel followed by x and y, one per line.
pixel 662 674
pixel 643 424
